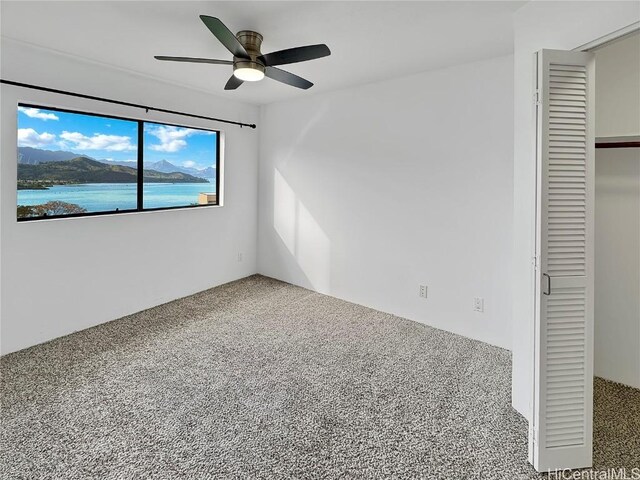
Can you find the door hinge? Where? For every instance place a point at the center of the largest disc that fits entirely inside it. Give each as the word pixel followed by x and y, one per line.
pixel 536 98
pixel 535 262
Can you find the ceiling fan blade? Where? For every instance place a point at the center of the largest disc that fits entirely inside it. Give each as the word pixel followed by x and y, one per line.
pixel 287 77
pixel 294 55
pixel 225 36
pixel 193 60
pixel 233 83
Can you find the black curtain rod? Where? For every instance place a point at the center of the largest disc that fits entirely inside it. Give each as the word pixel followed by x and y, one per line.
pixel 127 104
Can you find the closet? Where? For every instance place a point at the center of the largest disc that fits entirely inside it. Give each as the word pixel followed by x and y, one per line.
pixel 617 248
pixel 617 212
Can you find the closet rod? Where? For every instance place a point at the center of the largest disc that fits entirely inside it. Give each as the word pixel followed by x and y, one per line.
pixel 127 104
pixel 617 144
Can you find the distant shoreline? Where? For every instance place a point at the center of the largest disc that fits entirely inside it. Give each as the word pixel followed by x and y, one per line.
pixel 20 187
pixel 68 184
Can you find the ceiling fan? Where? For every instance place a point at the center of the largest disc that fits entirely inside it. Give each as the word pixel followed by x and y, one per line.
pixel 249 64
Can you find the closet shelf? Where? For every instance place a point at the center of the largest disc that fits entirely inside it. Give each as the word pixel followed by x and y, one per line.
pixel 633 144
pixel 631 141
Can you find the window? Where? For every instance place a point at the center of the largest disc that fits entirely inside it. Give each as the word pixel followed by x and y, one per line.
pixel 189 154
pixel 77 164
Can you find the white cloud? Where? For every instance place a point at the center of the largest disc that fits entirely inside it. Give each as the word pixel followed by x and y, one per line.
pixel 189 164
pixel 172 139
pixel 36 113
pixel 28 137
pixel 99 141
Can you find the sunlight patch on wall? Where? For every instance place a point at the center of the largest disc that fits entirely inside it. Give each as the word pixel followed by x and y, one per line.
pixel 304 238
pixel 284 211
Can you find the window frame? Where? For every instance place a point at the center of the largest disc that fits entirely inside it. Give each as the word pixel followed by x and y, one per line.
pixel 140 166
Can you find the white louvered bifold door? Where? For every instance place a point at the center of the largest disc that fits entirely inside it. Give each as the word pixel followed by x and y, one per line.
pixel 561 430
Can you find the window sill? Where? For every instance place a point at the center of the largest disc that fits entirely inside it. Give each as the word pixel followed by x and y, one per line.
pixel 115 214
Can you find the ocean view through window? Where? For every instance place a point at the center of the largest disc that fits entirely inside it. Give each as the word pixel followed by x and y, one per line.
pixel 79 164
pixel 179 150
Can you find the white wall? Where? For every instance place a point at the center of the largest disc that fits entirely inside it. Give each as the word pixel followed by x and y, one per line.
pixel 618 88
pixel 617 265
pixel 538 25
pixel 59 276
pixel 617 233
pixel 367 192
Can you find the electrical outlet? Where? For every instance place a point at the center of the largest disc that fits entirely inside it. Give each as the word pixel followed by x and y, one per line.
pixel 239 256
pixel 423 291
pixel 478 304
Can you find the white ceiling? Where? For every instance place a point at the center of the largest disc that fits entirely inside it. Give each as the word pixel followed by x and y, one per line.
pixel 370 41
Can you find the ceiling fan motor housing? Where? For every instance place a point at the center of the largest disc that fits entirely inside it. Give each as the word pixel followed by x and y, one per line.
pixel 251 41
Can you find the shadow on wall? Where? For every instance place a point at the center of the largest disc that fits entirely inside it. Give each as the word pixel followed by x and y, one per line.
pixel 305 240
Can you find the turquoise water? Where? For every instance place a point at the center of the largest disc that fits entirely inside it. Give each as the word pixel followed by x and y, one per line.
pixel 102 197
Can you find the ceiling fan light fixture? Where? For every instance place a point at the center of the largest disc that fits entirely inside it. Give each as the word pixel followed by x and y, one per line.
pixel 248 74
pixel 248 71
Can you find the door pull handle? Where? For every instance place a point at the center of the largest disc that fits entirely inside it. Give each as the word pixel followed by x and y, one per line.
pixel 548 292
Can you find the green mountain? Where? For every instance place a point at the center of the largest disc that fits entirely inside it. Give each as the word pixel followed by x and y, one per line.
pixel 87 170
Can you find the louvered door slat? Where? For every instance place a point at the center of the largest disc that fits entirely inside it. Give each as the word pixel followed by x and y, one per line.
pixel 562 424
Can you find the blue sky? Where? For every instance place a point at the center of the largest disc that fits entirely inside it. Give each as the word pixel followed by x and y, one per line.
pixel 186 147
pixel 113 139
pixel 97 137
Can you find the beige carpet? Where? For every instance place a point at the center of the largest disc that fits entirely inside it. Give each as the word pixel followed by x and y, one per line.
pixel 260 379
